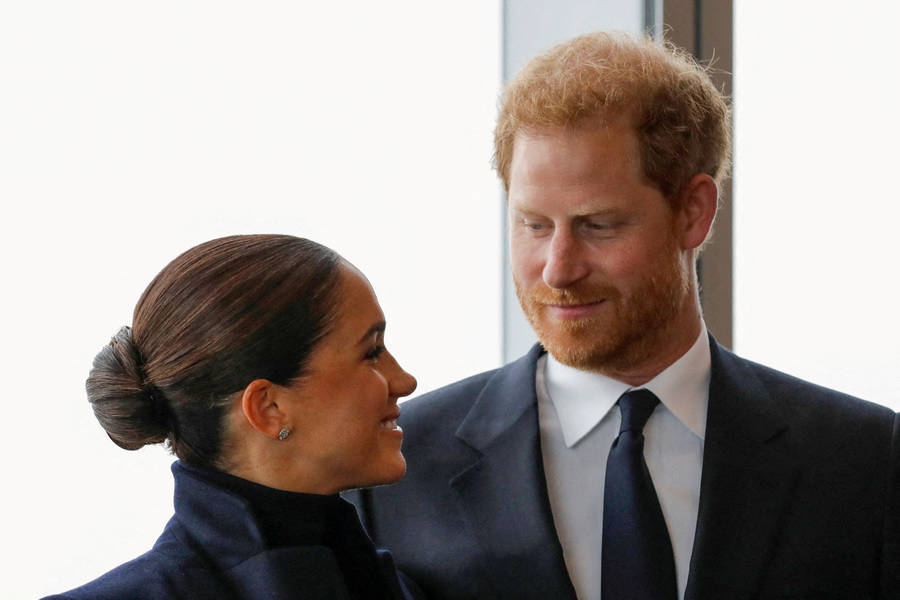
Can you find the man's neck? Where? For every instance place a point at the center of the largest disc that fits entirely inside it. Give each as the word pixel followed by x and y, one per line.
pixel 670 345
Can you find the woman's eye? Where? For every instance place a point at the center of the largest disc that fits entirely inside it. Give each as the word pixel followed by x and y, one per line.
pixel 375 352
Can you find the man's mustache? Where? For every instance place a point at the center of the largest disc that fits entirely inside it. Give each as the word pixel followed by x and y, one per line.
pixel 572 296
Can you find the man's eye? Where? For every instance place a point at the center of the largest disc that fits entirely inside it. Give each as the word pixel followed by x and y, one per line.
pixel 534 225
pixel 598 226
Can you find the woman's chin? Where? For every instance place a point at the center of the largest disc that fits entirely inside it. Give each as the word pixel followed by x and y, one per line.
pixel 385 473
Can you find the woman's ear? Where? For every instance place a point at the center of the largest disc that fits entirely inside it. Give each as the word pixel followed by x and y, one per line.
pixel 699 201
pixel 259 403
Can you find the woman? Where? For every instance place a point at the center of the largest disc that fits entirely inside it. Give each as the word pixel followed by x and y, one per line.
pixel 260 361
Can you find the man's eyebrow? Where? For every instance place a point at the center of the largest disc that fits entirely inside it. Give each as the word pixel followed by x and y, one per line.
pixel 588 212
pixel 603 212
pixel 376 328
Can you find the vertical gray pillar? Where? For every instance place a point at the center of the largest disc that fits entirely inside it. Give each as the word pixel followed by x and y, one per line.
pixel 705 28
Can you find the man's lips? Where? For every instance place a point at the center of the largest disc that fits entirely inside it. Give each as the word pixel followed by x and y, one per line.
pixel 569 310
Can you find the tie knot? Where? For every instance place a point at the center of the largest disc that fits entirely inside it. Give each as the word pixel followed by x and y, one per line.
pixel 636 407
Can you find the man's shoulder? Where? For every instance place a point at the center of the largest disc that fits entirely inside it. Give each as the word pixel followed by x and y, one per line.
pixel 506 388
pixel 456 396
pixel 805 397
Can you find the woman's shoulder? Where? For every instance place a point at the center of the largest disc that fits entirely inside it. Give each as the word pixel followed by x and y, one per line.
pixel 169 570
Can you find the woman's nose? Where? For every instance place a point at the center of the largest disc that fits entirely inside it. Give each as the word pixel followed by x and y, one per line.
pixel 402 383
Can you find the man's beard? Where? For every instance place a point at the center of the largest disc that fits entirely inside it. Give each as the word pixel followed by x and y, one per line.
pixel 629 330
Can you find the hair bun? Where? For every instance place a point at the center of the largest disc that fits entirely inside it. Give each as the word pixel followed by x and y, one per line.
pixel 130 409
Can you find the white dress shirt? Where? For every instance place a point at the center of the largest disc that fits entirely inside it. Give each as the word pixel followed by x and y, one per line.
pixel 579 419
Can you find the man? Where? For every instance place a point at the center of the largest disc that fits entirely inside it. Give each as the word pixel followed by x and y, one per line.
pixel 536 480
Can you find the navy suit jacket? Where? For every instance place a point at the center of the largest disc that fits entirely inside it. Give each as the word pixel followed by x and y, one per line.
pixel 212 549
pixel 800 492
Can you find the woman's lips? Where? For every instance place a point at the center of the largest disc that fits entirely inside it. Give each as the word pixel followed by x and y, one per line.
pixel 389 423
pixel 573 311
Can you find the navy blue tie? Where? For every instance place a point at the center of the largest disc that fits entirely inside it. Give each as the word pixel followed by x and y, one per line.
pixel 637 561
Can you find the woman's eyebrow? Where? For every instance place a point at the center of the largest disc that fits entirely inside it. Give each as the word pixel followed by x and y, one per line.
pixel 376 328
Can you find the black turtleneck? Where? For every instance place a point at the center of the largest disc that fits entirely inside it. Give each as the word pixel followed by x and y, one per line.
pixel 296 519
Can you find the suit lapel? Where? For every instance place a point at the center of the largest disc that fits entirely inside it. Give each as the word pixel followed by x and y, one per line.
pixel 748 477
pixel 503 494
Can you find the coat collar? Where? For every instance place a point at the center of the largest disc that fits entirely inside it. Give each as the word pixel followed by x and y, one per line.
pixel 222 529
pixel 215 518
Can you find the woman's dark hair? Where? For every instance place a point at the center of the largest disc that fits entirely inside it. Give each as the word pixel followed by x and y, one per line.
pixel 222 314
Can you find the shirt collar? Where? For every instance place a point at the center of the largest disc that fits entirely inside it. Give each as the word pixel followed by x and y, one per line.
pixel 582 399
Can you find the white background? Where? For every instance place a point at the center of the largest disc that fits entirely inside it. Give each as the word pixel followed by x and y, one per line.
pixel 817 201
pixel 130 131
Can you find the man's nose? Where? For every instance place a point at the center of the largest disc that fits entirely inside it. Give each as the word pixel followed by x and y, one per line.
pixel 565 263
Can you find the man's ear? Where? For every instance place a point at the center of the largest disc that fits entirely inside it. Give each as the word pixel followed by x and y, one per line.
pixel 259 403
pixel 697 210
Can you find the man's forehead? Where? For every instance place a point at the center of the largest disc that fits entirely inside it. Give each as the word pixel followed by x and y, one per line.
pixel 573 157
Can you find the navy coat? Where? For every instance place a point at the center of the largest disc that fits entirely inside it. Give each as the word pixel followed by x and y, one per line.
pixel 799 498
pixel 212 548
